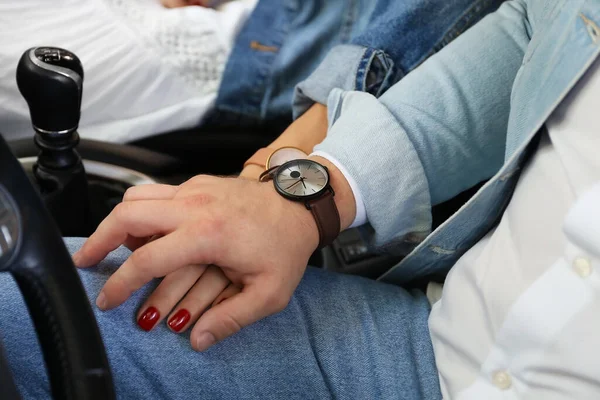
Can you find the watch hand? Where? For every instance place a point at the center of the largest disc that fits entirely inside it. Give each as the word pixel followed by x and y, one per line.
pixel 303 183
pixel 287 188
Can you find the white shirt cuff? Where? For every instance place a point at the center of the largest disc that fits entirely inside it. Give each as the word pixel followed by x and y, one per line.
pixel 361 211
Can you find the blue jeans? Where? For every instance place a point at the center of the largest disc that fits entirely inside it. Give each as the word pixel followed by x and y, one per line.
pixel 340 337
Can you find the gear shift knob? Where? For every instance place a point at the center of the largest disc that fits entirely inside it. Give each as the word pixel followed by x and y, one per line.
pixel 51 81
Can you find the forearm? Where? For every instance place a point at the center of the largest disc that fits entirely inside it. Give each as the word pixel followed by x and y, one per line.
pixel 437 132
pixel 305 133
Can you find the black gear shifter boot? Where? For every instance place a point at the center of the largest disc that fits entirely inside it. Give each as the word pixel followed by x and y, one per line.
pixel 51 81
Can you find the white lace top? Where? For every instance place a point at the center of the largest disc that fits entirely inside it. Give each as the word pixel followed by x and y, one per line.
pixel 148 69
pixel 193 41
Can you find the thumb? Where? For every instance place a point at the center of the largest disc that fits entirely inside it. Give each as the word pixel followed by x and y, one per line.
pixel 230 316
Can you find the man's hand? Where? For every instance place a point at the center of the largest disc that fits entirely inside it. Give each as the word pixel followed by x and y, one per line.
pixel 184 294
pixel 260 240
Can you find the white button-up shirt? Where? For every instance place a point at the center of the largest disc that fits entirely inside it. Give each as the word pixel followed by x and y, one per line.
pixel 519 317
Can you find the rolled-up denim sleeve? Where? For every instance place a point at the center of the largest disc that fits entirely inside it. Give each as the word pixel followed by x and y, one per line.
pixel 386 179
pixel 348 67
pixel 435 133
pixel 391 39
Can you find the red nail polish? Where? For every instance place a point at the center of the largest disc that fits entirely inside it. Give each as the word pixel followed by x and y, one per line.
pixel 179 320
pixel 149 319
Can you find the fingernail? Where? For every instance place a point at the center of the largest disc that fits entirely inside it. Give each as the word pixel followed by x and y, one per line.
pixel 148 319
pixel 77 258
pixel 101 301
pixel 204 341
pixel 179 320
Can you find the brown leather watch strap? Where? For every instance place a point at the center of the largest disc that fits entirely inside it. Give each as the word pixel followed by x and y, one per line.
pixel 327 217
pixel 323 209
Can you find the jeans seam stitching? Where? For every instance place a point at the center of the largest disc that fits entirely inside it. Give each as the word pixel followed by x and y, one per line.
pixel 346 30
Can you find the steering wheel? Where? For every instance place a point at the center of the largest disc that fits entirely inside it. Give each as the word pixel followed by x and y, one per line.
pixel 32 250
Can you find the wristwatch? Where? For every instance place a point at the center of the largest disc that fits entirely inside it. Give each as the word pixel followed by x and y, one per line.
pixel 268 158
pixel 307 181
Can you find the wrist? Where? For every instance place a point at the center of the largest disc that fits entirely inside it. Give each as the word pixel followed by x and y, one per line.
pixel 303 134
pixel 317 218
pixel 307 131
pixel 344 198
pixel 301 223
pixel 252 172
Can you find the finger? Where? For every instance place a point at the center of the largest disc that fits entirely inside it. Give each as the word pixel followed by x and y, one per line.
pixel 154 260
pixel 252 304
pixel 150 192
pixel 229 291
pixel 166 296
pixel 198 299
pixel 146 192
pixel 139 219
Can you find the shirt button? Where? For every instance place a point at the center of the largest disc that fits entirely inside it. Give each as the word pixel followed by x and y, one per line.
pixel 501 380
pixel 582 266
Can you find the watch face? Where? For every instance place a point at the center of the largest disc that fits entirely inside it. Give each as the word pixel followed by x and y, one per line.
pixel 301 179
pixel 283 155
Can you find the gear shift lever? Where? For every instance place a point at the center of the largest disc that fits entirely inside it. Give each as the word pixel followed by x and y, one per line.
pixel 51 81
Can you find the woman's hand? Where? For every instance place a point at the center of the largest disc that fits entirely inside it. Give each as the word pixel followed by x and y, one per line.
pixel 184 294
pixel 260 241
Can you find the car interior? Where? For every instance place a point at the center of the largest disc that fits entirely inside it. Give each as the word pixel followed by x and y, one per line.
pixel 54 185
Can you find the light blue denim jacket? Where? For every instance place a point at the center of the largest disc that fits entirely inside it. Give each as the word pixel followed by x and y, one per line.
pixel 468 114
pixel 362 45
